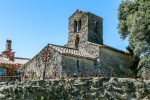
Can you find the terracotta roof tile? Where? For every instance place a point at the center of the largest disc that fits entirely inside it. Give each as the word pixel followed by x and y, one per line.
pixel 6 61
pixel 20 60
pixel 16 61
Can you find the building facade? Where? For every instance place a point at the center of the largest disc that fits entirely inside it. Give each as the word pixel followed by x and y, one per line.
pixel 84 55
pixel 8 62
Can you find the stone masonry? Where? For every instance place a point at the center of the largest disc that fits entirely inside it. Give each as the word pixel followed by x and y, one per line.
pixel 84 55
pixel 77 89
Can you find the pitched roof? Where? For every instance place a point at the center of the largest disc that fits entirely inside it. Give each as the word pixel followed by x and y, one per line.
pixel 83 13
pixel 72 52
pixel 114 49
pixel 20 60
pixel 17 61
pixel 82 54
pixel 6 61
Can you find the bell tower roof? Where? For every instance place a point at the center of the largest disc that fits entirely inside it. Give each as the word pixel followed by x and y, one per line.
pixel 78 11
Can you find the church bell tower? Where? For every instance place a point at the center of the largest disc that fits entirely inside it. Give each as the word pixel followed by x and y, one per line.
pixel 84 27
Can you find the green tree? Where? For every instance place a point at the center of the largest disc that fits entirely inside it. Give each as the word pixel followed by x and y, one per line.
pixel 134 24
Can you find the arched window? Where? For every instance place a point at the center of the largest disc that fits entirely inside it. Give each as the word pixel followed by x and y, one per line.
pixel 77 25
pixel 77 41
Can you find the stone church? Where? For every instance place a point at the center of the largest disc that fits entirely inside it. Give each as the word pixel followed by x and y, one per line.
pixel 84 55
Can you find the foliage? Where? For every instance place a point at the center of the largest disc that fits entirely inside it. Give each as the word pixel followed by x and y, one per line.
pixel 134 23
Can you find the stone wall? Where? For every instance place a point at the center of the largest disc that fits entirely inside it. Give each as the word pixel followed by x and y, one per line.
pixel 82 33
pixel 35 67
pixel 107 63
pixel 95 29
pixel 87 33
pixel 57 66
pixel 115 64
pixel 90 48
pixel 77 66
pixel 77 89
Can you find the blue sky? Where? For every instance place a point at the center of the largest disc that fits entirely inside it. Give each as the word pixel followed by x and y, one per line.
pixel 32 24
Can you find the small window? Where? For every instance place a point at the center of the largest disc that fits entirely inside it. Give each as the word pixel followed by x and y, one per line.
pixel 75 26
pixel 77 64
pixel 79 26
pixel 77 41
pixel 96 27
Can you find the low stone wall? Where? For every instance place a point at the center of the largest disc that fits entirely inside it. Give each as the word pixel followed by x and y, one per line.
pixel 98 88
